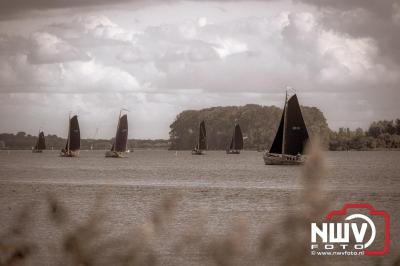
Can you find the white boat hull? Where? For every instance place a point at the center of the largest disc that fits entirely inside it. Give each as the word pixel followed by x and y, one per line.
pixel 114 154
pixel 283 159
pixel 198 152
pixel 233 152
pixel 69 153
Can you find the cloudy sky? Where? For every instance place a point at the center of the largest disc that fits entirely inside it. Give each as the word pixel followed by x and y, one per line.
pixel 156 59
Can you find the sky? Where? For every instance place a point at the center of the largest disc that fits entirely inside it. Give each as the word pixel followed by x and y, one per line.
pixel 158 58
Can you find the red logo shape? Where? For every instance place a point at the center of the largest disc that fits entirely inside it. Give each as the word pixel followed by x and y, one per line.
pixel 372 212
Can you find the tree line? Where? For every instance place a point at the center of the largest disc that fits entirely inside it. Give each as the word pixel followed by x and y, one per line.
pixel 258 123
pixel 384 134
pixel 23 141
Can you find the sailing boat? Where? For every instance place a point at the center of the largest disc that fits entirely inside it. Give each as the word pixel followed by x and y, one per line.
pixel 291 137
pixel 236 142
pixel 121 138
pixel 74 139
pixel 40 144
pixel 202 142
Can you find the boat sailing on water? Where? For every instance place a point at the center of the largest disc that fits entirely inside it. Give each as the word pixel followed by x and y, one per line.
pixel 119 146
pixel 201 145
pixel 236 143
pixel 74 139
pixel 291 137
pixel 40 144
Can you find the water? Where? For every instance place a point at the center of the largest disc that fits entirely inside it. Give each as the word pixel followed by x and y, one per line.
pixel 217 189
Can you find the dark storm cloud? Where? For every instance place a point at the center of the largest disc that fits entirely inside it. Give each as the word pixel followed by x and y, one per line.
pixel 379 20
pixel 12 44
pixel 16 8
pixel 380 7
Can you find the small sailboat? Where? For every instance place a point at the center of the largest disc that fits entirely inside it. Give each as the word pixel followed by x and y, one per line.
pixel 40 144
pixel 119 147
pixel 236 142
pixel 201 145
pixel 291 137
pixel 74 139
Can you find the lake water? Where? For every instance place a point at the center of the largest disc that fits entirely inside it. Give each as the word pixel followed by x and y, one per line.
pixel 215 191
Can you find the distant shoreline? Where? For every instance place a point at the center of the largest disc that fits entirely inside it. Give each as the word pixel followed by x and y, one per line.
pixel 382 135
pixel 186 150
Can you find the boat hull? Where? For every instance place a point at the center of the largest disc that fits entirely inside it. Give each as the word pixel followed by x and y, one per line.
pixel 198 152
pixel 114 154
pixel 283 159
pixel 233 152
pixel 69 153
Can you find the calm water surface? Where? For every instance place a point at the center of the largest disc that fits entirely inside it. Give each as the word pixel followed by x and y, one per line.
pixel 221 187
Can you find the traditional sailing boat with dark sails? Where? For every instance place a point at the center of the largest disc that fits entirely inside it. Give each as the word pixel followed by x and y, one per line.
pixel 201 145
pixel 291 137
pixel 121 138
pixel 40 144
pixel 74 139
pixel 236 142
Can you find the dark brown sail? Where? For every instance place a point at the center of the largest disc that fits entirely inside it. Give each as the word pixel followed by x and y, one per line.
pixel 202 144
pixel 74 138
pixel 121 138
pixel 276 146
pixel 237 139
pixel 295 132
pixel 40 144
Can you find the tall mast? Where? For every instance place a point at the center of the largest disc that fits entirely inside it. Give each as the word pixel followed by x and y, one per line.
pixel 69 129
pixel 284 124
